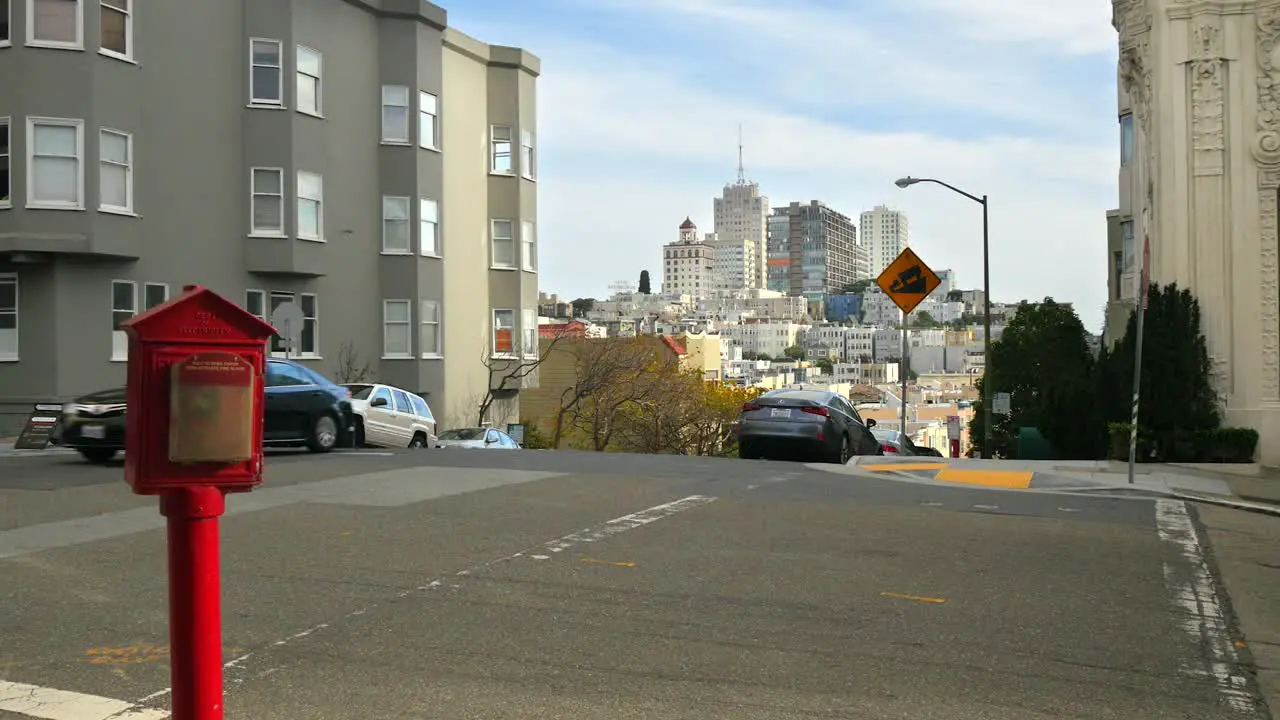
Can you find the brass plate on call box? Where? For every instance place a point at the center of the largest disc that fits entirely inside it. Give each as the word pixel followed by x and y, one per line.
pixel 211 408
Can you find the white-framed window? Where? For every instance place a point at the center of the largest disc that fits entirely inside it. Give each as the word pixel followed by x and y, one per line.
pixel 55 167
pixel 6 160
pixel 267 201
pixel 124 305
pixel 154 294
pixel 255 303
pixel 503 244
pixel 278 348
pixel 429 332
pixel 115 170
pixel 397 329
pixel 527 166
pixel 395 114
pixel 309 64
pixel 310 206
pixel 55 23
pixel 428 120
pixel 504 332
pixel 116 36
pixel 266 72
pixel 8 316
pixel 397 237
pixel 310 305
pixel 500 149
pixel 428 227
pixel 1126 139
pixel 528 246
pixel 1127 245
pixel 529 332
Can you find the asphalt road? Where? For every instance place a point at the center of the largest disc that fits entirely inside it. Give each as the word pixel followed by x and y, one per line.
pixel 537 585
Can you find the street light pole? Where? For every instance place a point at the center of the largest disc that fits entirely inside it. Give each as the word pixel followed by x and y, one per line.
pixel 986 302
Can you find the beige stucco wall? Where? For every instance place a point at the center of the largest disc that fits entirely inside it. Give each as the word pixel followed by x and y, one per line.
pixel 1206 181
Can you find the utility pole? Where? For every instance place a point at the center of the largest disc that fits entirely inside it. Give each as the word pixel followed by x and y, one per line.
pixel 1141 309
pixel 902 369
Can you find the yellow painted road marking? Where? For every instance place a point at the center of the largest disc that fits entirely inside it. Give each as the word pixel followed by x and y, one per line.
pixel 127 654
pixel 592 561
pixel 905 466
pixel 992 478
pixel 917 598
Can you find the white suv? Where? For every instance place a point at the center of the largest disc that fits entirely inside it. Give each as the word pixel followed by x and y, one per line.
pixel 388 416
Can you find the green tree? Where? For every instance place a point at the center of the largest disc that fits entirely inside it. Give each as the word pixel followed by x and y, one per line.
pixel 795 352
pixel 582 306
pixel 644 282
pixel 924 319
pixel 1043 361
pixel 825 365
pixel 1177 389
pixel 955 295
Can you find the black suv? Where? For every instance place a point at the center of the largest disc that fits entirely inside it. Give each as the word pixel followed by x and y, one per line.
pixel 302 408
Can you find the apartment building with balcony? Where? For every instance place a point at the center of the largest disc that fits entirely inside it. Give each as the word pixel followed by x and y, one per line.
pixel 359 158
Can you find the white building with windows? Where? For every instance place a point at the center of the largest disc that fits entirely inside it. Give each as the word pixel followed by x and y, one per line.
pixel 741 223
pixel 884 234
pixel 688 265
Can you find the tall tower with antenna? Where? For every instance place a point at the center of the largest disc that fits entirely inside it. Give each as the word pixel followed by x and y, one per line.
pixel 741 231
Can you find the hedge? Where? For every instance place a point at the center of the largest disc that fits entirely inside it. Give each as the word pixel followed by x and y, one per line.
pixel 1221 445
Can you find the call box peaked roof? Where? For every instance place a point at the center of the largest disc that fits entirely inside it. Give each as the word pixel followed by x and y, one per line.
pixel 174 318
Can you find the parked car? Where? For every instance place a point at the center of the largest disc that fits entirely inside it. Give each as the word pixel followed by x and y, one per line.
pixel 476 438
pixel 302 407
pixel 387 416
pixel 893 442
pixel 806 424
pixel 930 451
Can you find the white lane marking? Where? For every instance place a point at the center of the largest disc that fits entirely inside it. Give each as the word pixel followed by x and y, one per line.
pixel 1194 591
pixel 929 503
pixel 616 526
pixel 987 507
pixel 1069 509
pixel 41 702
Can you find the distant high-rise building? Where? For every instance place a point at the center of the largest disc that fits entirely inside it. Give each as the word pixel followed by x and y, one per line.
pixel 741 228
pixel 687 264
pixel 813 251
pixel 884 234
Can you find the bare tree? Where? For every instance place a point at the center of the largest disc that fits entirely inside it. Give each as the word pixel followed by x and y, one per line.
pixel 351 368
pixel 609 374
pixel 506 373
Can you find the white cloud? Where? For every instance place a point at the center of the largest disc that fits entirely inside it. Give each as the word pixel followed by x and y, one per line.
pixel 627 154
pixel 1079 27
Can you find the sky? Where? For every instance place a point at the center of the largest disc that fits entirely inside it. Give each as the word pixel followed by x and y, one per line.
pixel 639 105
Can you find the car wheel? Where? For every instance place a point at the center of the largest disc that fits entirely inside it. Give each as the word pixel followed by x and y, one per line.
pixel 98 455
pixel 324 434
pixel 842 458
pixel 418 442
pixel 746 452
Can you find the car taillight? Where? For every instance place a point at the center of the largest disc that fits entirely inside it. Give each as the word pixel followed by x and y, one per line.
pixel 889 449
pixel 750 407
pixel 817 411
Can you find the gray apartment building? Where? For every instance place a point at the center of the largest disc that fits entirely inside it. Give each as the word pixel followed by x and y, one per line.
pixel 813 251
pixel 359 158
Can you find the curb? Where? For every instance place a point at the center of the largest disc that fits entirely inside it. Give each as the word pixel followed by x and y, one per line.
pixel 1244 505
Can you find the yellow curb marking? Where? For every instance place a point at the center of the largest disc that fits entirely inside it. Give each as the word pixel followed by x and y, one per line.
pixel 904 466
pixel 917 598
pixel 592 561
pixel 991 478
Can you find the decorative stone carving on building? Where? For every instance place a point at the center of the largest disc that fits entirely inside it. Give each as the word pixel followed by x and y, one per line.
pixel 1208 107
pixel 1266 150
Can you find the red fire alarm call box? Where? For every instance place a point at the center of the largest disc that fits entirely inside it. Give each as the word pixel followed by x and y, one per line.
pixel 195 394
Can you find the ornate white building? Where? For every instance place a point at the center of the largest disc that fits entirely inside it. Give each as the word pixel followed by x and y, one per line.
pixel 1200 176
pixel 687 265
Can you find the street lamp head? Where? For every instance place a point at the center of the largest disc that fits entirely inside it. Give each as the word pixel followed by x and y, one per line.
pixel 906 181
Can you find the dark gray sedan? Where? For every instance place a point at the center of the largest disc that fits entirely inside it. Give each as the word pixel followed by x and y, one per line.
pixel 804 424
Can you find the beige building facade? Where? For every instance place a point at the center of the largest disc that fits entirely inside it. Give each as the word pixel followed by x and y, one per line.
pixel 1199 101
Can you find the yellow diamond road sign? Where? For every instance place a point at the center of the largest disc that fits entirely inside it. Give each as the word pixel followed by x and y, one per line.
pixel 908 281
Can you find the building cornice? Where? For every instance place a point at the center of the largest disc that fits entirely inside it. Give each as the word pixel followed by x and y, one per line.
pixel 1187 10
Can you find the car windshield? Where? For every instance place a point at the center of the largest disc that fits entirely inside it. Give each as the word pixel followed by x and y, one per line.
pixel 463 434
pixel 890 435
pixel 359 392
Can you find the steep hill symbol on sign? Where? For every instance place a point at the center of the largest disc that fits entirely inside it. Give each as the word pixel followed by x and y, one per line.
pixel 910 282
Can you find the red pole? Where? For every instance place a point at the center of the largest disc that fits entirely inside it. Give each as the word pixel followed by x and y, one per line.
pixel 195 612
pixel 955 448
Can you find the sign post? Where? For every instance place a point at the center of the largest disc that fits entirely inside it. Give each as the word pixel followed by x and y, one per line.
pixel 38 430
pixel 907 281
pixel 1137 353
pixel 193 433
pixel 288 318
